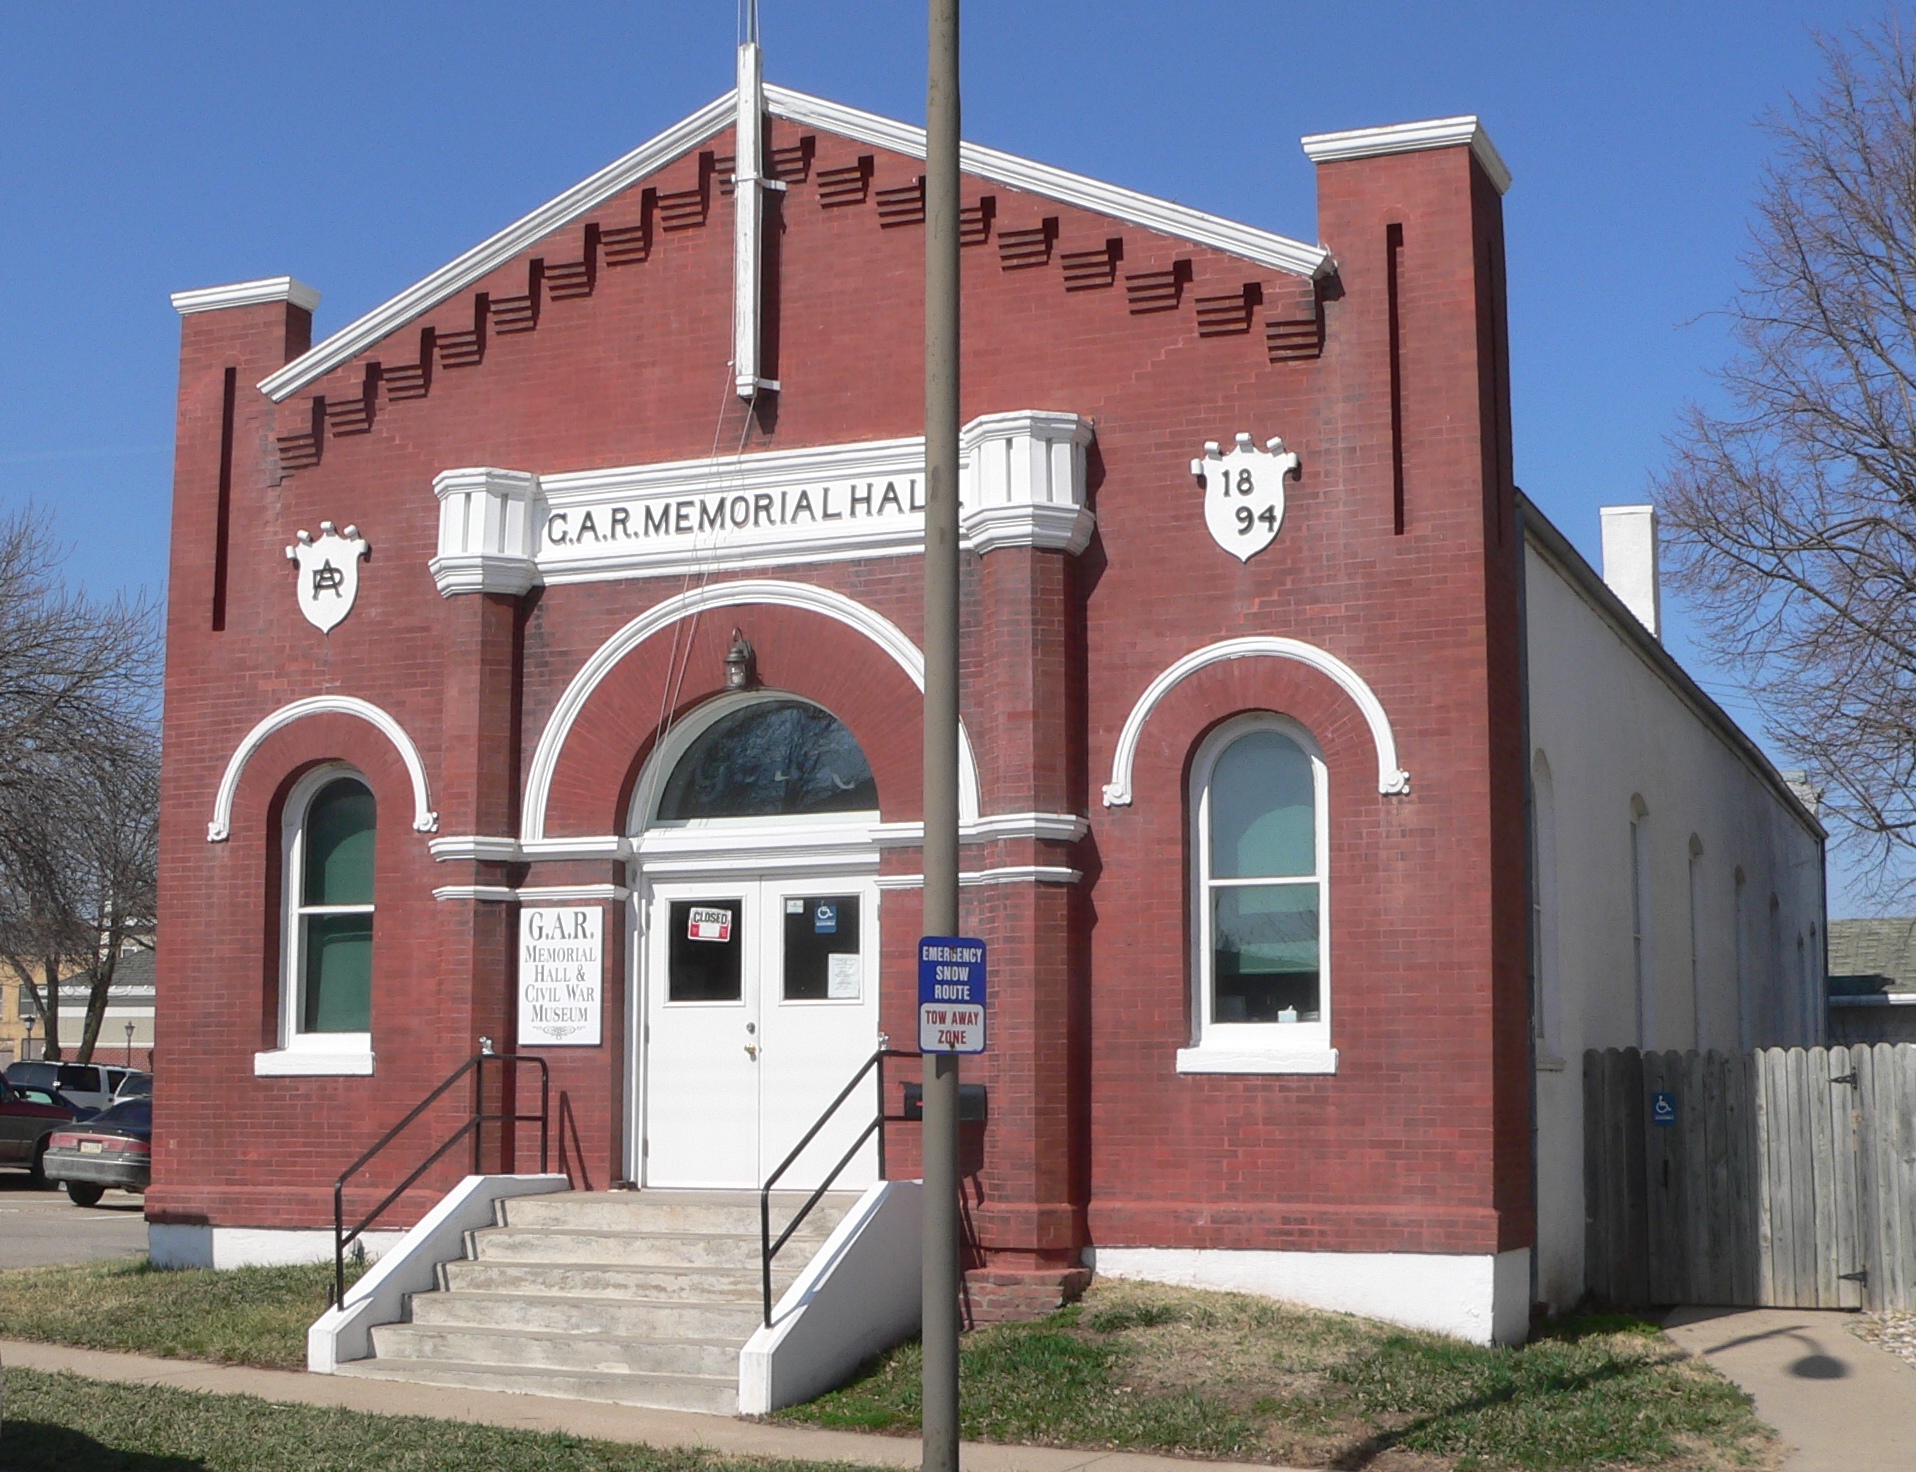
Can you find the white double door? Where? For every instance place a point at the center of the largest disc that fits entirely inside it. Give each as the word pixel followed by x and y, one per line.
pixel 761 1002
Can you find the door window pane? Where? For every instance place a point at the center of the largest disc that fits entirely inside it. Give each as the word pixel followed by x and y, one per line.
pixel 1263 810
pixel 774 758
pixel 1264 953
pixel 821 948
pixel 706 950
pixel 338 967
pixel 339 845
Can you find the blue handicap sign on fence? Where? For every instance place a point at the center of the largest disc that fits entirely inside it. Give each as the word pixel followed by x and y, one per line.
pixel 1663 1107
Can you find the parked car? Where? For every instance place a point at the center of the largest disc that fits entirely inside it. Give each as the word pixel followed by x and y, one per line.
pixel 114 1148
pixel 135 1084
pixel 28 1118
pixel 93 1085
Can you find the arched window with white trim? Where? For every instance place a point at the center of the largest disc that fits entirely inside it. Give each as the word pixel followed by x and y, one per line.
pixel 1261 995
pixel 328 835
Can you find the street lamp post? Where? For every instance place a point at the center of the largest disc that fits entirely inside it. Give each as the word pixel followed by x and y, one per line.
pixel 129 1045
pixel 27 1050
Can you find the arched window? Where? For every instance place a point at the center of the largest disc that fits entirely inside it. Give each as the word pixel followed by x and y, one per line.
pixel 329 831
pixel 1261 999
pixel 771 758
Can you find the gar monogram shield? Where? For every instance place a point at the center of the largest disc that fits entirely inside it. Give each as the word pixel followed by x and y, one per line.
pixel 1244 493
pixel 328 573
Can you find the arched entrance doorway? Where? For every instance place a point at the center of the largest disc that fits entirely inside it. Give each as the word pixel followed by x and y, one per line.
pixel 755 944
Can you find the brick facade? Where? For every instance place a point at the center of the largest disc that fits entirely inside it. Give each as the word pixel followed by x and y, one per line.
pixel 1418 1143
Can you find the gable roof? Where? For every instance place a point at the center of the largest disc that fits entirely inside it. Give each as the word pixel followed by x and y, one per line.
pixel 1263 246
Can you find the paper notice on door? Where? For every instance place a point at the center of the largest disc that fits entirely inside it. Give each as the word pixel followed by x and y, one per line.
pixel 844 979
pixel 708 923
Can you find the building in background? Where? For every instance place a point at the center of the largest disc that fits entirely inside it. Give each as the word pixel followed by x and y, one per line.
pixel 1872 981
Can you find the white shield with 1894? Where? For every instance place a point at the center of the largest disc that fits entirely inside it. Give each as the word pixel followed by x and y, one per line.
pixel 1244 493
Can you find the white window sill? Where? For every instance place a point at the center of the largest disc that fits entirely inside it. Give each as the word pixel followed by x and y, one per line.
pixel 311 1062
pixel 1261 1060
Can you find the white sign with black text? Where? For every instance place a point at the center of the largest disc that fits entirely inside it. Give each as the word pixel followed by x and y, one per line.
pixel 561 976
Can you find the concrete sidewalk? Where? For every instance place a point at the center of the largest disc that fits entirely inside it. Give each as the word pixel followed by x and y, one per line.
pixel 1844 1404
pixel 578 1417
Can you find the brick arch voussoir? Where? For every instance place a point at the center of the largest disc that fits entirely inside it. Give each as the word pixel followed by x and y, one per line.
pixel 796 651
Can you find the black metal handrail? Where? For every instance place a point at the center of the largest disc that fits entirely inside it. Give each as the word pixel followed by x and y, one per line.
pixel 475 1124
pixel 768 1249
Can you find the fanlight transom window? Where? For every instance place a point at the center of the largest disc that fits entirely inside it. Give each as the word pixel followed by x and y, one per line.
pixel 770 759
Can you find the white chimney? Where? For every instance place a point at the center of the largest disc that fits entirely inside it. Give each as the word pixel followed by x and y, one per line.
pixel 1630 562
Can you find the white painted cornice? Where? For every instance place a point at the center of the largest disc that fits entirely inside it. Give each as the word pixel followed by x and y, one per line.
pixel 245 294
pixel 1458 132
pixel 488 531
pixel 1262 246
pixel 1046 827
pixel 456 275
pixel 1009 874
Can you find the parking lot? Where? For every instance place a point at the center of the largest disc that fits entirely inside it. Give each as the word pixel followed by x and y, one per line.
pixel 42 1227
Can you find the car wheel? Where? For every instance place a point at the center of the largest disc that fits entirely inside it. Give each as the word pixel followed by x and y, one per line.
pixel 38 1171
pixel 85 1193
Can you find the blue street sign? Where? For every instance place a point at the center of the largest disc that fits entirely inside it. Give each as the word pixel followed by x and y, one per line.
pixel 951 994
pixel 1662 1107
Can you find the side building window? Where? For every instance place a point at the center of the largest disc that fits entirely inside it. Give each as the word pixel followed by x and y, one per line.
pixel 1261 987
pixel 329 830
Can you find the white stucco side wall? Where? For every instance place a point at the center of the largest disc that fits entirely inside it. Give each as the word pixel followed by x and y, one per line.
pixel 1616 732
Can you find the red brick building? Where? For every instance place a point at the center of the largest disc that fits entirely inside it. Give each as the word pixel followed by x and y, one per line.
pixel 1244 789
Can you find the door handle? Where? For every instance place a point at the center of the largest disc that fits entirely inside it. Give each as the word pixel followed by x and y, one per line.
pixel 751 1050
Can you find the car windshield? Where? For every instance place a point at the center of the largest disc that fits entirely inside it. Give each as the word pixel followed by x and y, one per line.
pixel 44 1075
pixel 134 1114
pixel 137 1086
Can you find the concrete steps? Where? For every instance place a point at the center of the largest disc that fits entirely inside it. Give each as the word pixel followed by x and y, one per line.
pixel 635 1297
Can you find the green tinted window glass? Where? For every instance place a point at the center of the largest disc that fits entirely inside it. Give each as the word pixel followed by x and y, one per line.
pixel 338 974
pixel 1265 956
pixel 339 845
pixel 1263 809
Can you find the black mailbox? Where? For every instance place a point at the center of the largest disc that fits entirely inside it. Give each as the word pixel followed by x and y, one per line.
pixel 971 1102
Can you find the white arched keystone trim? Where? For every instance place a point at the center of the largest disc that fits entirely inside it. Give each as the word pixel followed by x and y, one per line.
pixel 1392 780
pixel 424 819
pixel 853 614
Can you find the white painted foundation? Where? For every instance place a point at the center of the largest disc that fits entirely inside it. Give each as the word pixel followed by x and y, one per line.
pixel 1484 1298
pixel 173 1246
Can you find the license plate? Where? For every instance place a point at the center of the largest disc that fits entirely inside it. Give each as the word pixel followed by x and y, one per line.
pixel 91 1147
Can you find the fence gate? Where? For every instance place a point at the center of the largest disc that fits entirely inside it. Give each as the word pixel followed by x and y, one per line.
pixel 1784 1177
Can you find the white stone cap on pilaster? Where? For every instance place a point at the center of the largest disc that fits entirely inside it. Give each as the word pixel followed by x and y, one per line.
pixel 1022 481
pixel 246 294
pixel 488 531
pixel 1459 132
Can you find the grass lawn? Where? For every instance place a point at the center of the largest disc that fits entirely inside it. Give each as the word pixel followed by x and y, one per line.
pixel 1228 1376
pixel 236 1316
pixel 62 1423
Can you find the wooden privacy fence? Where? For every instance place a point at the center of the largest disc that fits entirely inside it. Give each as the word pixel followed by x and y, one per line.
pixel 1783 1178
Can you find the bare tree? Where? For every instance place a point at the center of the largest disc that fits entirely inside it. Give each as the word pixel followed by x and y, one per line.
pixel 78 777
pixel 1794 515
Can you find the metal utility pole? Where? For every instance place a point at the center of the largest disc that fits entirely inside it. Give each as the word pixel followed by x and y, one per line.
pixel 940 1403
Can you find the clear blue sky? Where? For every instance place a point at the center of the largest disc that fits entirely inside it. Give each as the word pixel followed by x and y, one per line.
pixel 357 146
